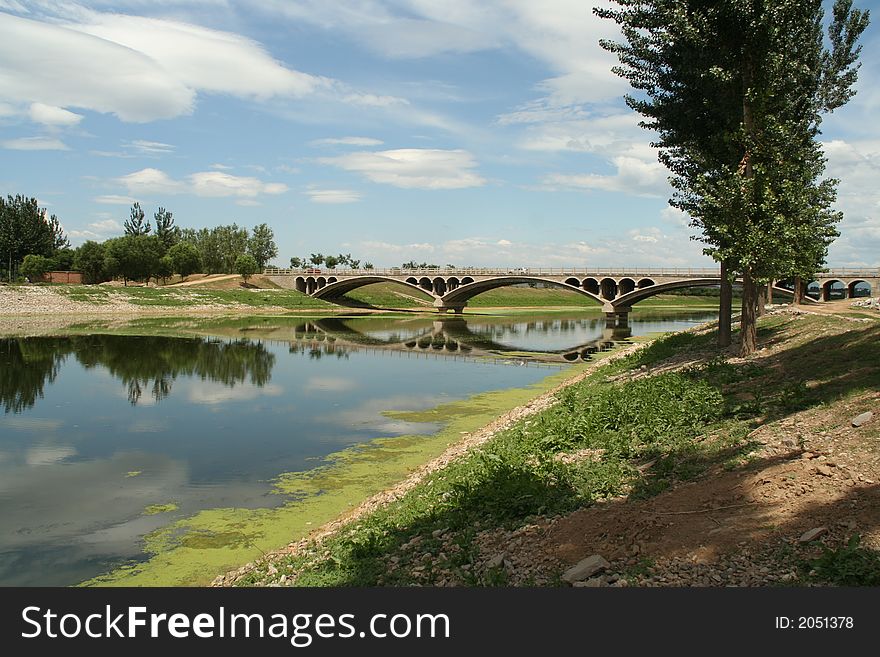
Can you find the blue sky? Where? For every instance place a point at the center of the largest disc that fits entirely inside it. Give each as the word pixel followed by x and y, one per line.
pixel 461 132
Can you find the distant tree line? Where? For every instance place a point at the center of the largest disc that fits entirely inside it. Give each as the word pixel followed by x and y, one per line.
pixel 328 261
pixel 32 244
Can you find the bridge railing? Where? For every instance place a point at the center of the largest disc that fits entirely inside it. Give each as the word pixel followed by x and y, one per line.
pixel 696 272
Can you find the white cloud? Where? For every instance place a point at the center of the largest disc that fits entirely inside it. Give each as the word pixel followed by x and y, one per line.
pixel 857 164
pixel 114 199
pixel 221 167
pixel 213 184
pixel 75 69
pixel 217 183
pixel 49 115
pixel 346 141
pixel 35 144
pixel 413 168
pixel 91 60
pixel 656 248
pixel 106 226
pixel 151 147
pixel 150 181
pixel 633 176
pixel 563 34
pixel 333 195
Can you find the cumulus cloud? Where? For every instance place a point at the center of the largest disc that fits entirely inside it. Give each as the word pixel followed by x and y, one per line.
pixel 35 144
pixel 333 195
pixel 204 183
pixel 413 168
pixel 51 116
pixel 633 176
pixel 217 183
pixel 150 181
pixel 106 226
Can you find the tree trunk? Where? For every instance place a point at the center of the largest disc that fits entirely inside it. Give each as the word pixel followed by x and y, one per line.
pixel 748 320
pixel 760 309
pixel 798 291
pixel 725 308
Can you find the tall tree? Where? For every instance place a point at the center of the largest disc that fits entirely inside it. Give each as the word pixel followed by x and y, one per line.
pixel 26 230
pixel 166 231
pixel 136 224
pixel 736 90
pixel 89 259
pixel 261 245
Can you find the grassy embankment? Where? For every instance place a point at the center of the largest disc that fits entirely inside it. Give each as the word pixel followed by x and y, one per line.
pixel 177 297
pixel 634 427
pixel 265 294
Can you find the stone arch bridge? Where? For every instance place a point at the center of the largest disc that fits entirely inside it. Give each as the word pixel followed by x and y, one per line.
pixel 617 290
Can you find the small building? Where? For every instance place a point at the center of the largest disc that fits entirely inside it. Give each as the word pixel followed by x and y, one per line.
pixel 74 277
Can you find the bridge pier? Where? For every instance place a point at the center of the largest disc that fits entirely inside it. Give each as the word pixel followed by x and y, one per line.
pixel 616 317
pixel 456 307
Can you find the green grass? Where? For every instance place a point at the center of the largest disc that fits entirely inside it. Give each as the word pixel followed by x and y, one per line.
pixel 650 431
pixel 181 297
pixel 847 565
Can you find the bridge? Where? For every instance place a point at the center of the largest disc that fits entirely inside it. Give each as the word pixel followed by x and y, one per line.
pixel 446 337
pixel 617 290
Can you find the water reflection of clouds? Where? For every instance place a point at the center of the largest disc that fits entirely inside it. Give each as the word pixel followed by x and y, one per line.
pixel 369 415
pixel 48 454
pixel 149 425
pixel 31 423
pixel 209 392
pixel 329 384
pixel 60 519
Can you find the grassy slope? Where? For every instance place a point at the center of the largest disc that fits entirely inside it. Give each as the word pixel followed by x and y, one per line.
pixel 682 423
pixel 380 295
pixel 179 297
pixel 385 295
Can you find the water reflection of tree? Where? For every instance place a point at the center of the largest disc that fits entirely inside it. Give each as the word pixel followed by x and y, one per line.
pixel 141 363
pixel 27 365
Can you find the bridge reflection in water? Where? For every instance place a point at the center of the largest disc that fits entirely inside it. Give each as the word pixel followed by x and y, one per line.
pixel 448 337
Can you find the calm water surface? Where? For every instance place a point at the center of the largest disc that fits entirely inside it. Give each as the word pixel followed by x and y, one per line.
pixel 97 429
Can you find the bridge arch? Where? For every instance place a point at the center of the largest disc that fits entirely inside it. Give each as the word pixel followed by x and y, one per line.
pixel 640 294
pixel 591 285
pixel 645 282
pixel 608 286
pixel 299 284
pixel 439 286
pixel 339 288
pixel 452 282
pixel 626 285
pixel 828 287
pixel 472 289
pixel 855 286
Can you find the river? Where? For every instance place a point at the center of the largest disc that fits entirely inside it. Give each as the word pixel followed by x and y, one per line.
pixel 107 440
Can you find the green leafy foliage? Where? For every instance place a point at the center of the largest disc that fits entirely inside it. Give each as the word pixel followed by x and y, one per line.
pixel 848 565
pixel 246 266
pixel 34 267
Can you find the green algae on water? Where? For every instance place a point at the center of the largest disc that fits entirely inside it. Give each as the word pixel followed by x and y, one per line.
pixel 193 550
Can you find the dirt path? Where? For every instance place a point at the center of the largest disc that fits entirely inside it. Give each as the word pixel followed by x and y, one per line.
pixel 207 279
